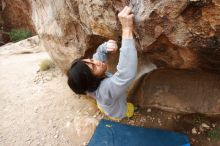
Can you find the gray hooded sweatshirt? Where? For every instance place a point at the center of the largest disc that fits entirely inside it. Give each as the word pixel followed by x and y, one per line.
pixel 111 93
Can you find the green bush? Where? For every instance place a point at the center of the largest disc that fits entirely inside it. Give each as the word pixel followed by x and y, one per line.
pixel 46 64
pixel 19 34
pixel 215 133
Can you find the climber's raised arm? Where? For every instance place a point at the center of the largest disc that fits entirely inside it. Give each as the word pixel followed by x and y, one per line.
pixel 105 48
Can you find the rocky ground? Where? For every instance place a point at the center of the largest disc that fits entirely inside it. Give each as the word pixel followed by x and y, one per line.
pixel 38 109
pixel 202 131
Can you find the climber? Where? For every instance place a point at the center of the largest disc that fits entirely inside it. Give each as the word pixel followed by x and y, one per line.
pixel 89 76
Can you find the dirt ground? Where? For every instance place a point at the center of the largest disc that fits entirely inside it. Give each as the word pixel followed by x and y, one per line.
pixel 38 109
pixel 206 129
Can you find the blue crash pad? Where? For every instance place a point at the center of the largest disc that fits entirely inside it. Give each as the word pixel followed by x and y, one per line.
pixel 109 133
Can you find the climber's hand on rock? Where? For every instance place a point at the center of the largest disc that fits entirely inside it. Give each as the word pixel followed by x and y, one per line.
pixel 112 46
pixel 126 19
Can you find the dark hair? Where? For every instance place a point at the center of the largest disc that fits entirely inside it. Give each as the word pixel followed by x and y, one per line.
pixel 81 79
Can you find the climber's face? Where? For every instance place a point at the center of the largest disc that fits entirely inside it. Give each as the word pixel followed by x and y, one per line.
pixel 98 68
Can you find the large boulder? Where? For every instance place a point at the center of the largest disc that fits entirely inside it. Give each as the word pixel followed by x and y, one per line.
pixel 16 14
pixel 172 33
pixel 179 91
pixel 178 34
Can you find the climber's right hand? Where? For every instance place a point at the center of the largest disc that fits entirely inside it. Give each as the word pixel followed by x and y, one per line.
pixel 126 19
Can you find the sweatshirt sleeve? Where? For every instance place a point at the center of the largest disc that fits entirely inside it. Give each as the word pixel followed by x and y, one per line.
pixel 116 86
pixel 101 53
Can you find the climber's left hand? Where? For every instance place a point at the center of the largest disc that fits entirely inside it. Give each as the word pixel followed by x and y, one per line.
pixel 112 46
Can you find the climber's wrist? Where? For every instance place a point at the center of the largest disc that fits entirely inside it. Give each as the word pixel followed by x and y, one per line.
pixel 127 33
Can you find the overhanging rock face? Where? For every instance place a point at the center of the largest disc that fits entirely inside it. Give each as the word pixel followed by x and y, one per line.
pixel 172 33
pixel 178 34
